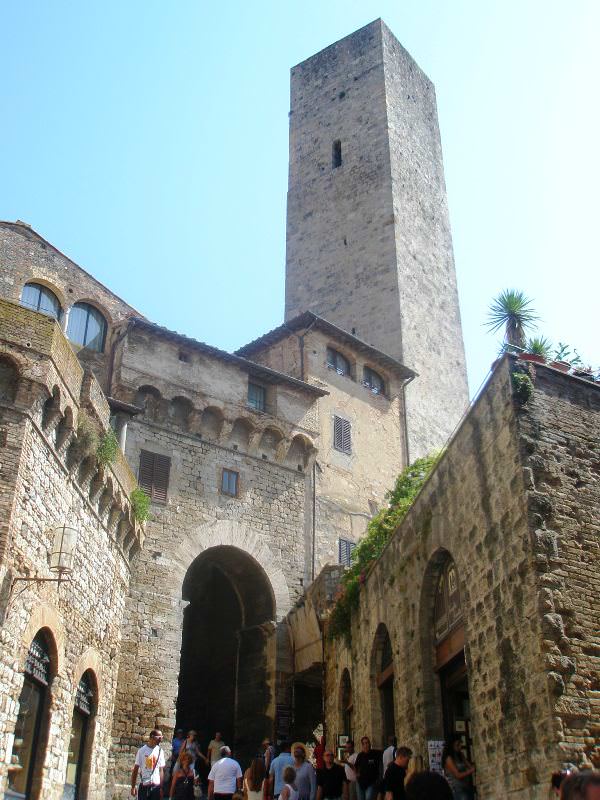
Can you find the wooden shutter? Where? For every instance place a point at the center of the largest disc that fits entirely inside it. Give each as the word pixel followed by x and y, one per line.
pixel 342 435
pixel 153 475
pixel 345 548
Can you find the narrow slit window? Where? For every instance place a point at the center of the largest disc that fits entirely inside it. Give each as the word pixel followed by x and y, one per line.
pixel 336 154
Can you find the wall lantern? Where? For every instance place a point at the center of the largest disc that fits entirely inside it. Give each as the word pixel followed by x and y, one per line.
pixel 61 558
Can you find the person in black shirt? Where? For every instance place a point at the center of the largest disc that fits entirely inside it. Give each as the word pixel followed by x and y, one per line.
pixel 393 780
pixel 367 770
pixel 332 783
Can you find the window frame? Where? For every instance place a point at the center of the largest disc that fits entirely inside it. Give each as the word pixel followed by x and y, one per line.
pixel 42 290
pixel 89 307
pixel 229 471
pixel 159 462
pixel 262 407
pixel 342 435
pixel 348 545
pixel 368 374
pixel 333 357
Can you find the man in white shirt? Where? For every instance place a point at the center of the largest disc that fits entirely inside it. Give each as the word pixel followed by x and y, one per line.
pixel 349 759
pixel 225 777
pixel 389 754
pixel 150 763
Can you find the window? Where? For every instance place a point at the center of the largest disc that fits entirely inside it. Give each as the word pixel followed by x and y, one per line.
pixel 448 610
pixel 87 327
pixel 230 482
pixel 336 154
pixel 154 475
pixel 82 712
pixel 342 435
pixel 345 548
pixel 257 397
pixel 39 298
pixel 373 381
pixel 33 703
pixel 338 362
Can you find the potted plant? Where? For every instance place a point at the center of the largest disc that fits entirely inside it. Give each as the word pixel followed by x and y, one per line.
pixel 562 358
pixel 538 349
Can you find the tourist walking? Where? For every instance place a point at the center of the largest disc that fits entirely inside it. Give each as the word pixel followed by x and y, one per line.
pixel 395 775
pixel 191 745
pixel 457 769
pixel 306 779
pixel 278 765
pixel 331 779
pixel 178 740
pixel 268 754
pixel 350 769
pixel 367 770
pixel 225 776
pixel 584 785
pixel 150 765
pixel 213 752
pixel 289 790
pixel 255 780
pixel 184 778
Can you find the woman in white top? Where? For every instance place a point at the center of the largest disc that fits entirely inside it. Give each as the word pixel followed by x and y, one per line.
pixel 254 780
pixel 289 791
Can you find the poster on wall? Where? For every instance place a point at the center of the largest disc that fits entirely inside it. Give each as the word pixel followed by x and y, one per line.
pixel 434 750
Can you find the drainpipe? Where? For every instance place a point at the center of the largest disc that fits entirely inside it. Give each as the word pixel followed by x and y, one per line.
pixel 405 420
pixel 314 518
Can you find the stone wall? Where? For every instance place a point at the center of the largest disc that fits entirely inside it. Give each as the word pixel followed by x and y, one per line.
pixel 514 502
pixel 368 242
pixel 48 479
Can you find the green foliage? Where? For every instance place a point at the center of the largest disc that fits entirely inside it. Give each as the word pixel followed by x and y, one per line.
pixel 564 353
pixel 539 345
pixel 108 447
pixel 512 311
pixel 522 386
pixel 140 504
pixel 371 546
pixel 87 439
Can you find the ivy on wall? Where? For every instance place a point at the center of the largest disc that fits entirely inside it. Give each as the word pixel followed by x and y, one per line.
pixel 371 546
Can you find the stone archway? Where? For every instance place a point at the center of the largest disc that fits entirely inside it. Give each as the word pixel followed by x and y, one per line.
pixel 227 667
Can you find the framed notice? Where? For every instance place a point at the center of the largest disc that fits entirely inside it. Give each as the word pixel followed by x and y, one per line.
pixel 434 751
pixel 342 739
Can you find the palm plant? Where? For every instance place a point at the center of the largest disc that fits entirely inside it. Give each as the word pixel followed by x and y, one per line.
pixel 540 346
pixel 512 311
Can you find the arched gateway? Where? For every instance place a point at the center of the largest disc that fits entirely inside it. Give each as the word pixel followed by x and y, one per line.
pixel 228 650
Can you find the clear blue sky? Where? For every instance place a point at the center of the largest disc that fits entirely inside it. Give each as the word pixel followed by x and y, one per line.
pixel 148 141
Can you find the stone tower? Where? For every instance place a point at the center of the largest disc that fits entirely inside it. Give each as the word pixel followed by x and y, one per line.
pixel 368 236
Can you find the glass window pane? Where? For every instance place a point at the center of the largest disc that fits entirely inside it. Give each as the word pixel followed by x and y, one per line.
pixel 26 736
pixel 30 296
pixel 75 755
pixel 77 324
pixel 94 337
pixel 256 396
pixel 49 303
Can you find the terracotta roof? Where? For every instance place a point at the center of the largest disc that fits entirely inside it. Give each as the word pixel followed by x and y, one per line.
pixel 266 374
pixel 310 320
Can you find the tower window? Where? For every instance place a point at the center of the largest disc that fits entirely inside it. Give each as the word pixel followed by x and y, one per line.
pixel 338 362
pixel 342 435
pixel 373 381
pixel 39 298
pixel 230 482
pixel 336 154
pixel 153 476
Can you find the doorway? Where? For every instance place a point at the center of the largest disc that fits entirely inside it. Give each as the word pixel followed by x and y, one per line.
pixel 228 650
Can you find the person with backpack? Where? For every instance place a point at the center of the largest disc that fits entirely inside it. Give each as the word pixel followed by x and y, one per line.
pixel 150 765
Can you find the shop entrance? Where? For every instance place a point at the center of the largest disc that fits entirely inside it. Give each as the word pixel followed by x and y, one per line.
pixel 227 651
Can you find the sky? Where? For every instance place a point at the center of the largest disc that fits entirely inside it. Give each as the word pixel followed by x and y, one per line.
pixel 149 142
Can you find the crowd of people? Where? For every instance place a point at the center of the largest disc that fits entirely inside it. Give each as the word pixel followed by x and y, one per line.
pixel 290 775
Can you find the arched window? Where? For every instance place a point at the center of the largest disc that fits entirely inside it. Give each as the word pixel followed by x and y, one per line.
pixel 33 704
pixel 338 362
pixel 373 381
pixel 79 746
pixel 87 327
pixel 40 298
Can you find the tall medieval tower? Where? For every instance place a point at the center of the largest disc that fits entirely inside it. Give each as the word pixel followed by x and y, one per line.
pixel 368 236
